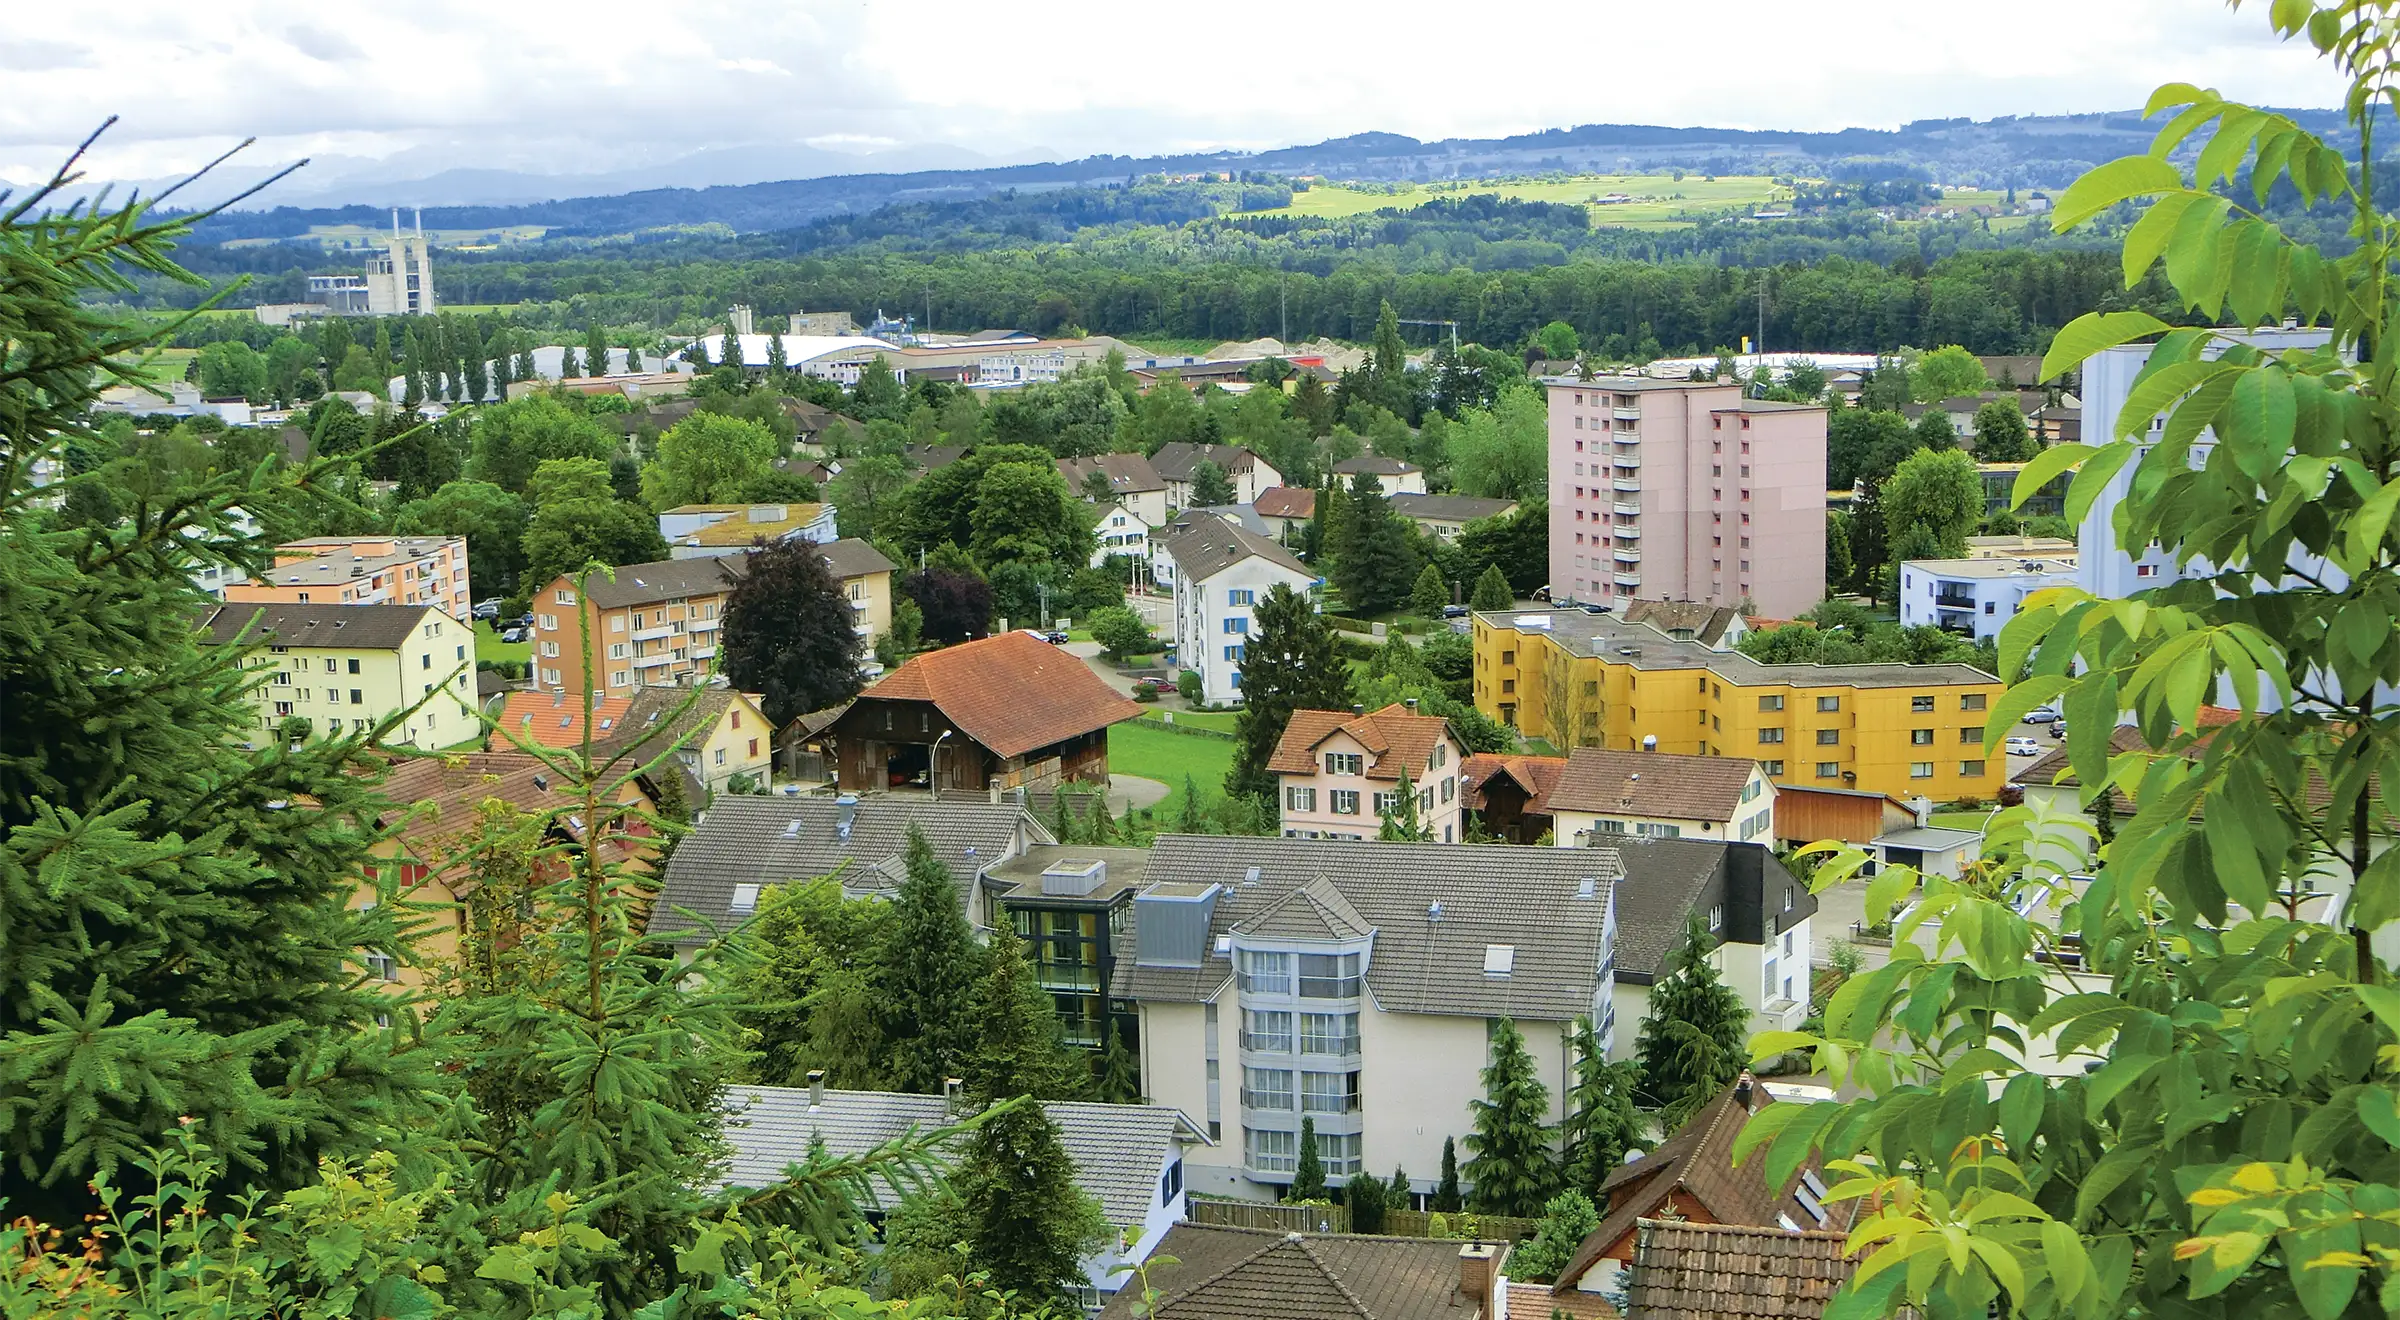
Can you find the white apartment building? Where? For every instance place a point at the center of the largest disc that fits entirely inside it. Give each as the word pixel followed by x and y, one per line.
pixel 1219 572
pixel 1603 795
pixel 1974 597
pixel 1122 531
pixel 1358 984
pixel 2103 569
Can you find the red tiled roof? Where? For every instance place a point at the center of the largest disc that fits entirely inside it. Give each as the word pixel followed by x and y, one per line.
pixel 1286 502
pixel 1012 693
pixel 1686 1271
pixel 1396 740
pixel 438 798
pixel 1536 1299
pixel 1535 774
pixel 555 719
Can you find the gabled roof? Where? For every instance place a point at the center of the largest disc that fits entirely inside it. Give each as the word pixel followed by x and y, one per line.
pixel 775 840
pixel 1449 508
pixel 1128 474
pixel 851 557
pixel 1689 1271
pixel 1705 623
pixel 1376 465
pixel 1175 460
pixel 1264 1274
pixel 349 627
pixel 1397 739
pixel 435 800
pixel 1697 1162
pixel 555 719
pixel 1661 784
pixel 1205 544
pixel 1118 1150
pixel 1286 502
pixel 1534 774
pixel 1314 911
pixel 1012 693
pixel 665 579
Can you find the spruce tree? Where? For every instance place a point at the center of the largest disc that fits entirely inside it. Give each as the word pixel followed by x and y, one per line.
pixel 1063 825
pixel 1098 827
pixel 925 982
pixel 1567 1219
pixel 1308 1174
pixel 1602 1123
pixel 1029 1226
pixel 1510 1159
pixel 1015 1046
pixel 1188 819
pixel 1694 1039
pixel 595 349
pixel 1446 1199
pixel 568 367
pixel 1492 591
pixel 525 367
pixel 1289 664
pixel 1430 595
pixel 1375 559
pixel 178 942
pixel 1367 1198
pixel 778 366
pixel 1399 1188
pixel 1120 1079
pixel 1401 824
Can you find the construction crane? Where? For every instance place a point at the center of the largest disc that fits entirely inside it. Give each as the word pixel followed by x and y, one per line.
pixel 1453 331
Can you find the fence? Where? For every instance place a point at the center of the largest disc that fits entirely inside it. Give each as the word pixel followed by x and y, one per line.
pixel 1489 1228
pixel 1192 730
pixel 1262 1214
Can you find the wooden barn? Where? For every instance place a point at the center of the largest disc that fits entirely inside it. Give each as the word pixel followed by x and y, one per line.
pixel 1006 711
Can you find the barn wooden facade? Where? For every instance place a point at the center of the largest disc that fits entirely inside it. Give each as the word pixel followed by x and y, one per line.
pixel 1008 711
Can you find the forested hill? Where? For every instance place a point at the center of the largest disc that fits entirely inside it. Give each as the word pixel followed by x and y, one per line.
pixel 2030 151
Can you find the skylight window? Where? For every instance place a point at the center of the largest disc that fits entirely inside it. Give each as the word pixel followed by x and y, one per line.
pixel 1499 959
pixel 745 900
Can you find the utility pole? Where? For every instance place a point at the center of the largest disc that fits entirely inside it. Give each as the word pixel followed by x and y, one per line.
pixel 1283 313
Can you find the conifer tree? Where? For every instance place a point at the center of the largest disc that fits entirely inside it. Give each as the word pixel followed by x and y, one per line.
pixel 925 981
pixel 1510 1160
pixel 178 939
pixel 1446 1198
pixel 1491 590
pixel 1430 594
pixel 1401 824
pixel 525 367
pixel 1015 1045
pixel 1602 1123
pixel 1308 1174
pixel 1399 1188
pixel 1694 1039
pixel 1120 1079
pixel 1029 1226
pixel 476 363
pixel 1289 664
pixel 1189 819
pixel 1367 1198
pixel 1567 1219
pixel 595 349
pixel 568 367
pixel 1375 559
pixel 1063 824
pixel 1098 827
pixel 778 366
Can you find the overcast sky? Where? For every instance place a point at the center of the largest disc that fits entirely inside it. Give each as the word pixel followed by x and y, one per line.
pixel 600 85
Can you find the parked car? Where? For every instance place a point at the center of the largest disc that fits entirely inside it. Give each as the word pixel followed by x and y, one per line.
pixel 2058 730
pixel 1050 635
pixel 2042 715
pixel 1542 592
pixel 1454 611
pixel 1161 686
pixel 1597 607
pixel 513 633
pixel 2023 746
pixel 488 610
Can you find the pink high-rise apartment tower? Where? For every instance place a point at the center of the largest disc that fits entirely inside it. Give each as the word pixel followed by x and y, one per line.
pixel 1685 490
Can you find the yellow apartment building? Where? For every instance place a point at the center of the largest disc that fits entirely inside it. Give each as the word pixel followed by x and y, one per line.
pixel 346 668
pixel 1576 679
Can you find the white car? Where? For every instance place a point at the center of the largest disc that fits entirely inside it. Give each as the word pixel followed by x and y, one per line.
pixel 2023 746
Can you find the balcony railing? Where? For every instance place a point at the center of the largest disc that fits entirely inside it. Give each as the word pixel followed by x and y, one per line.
pixel 1328 1046
pixel 652 634
pixel 1629 579
pixel 1329 987
pixel 1626 483
pixel 1954 602
pixel 1329 1104
pixel 1629 509
pixel 1267 1042
pixel 651 661
pixel 1276 1101
pixel 1628 414
pixel 1625 531
pixel 1628 555
pixel 1626 460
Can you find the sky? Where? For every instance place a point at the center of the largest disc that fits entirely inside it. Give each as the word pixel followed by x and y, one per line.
pixel 403 91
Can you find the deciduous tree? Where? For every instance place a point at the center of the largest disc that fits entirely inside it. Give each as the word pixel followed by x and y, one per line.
pixel 2001 435
pixel 1210 487
pixel 708 458
pixel 1939 493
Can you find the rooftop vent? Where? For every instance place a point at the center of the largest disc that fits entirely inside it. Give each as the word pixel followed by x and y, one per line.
pixel 1074 877
pixel 542 783
pixel 745 900
pixel 1433 910
pixel 845 815
pixel 1499 959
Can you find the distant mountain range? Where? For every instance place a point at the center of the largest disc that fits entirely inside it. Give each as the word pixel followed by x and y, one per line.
pixel 714 187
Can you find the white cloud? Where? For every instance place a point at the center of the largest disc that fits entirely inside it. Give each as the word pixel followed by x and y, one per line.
pixel 604 83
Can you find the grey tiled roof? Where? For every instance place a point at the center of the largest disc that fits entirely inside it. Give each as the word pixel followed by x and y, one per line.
pixel 1314 911
pixel 851 557
pixel 1264 1274
pixel 1118 1150
pixel 1608 636
pixel 1206 544
pixel 743 840
pixel 1525 897
pixel 351 627
pixel 1449 508
pixel 665 579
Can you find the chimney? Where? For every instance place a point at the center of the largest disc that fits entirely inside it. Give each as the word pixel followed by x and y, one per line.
pixel 1478 1271
pixel 845 814
pixel 950 1096
pixel 816 1088
pixel 1412 705
pixel 1358 710
pixel 1922 809
pixel 1741 1093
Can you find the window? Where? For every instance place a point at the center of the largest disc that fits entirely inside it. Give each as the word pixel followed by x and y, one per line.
pixel 382 966
pixel 720 756
pixel 1920 769
pixel 1268 974
pixel 565 596
pixel 1299 799
pixel 1233 653
pixel 1345 763
pixel 1826 705
pixel 1770 703
pixel 616 651
pixel 550 650
pixel 357 698
pixel 1267 1032
pixel 1970 769
pixel 1716 917
pixel 1329 1093
pixel 1170 1183
pixel 1920 704
pixel 1434 759
pixel 1654 830
pixel 1772 768
pixel 1345 801
pixel 1449 789
pixel 353 664
pixel 1386 803
pixel 1240 627
pixel 1267 1088
pixel 1920 737
pixel 2145 570
pixel 1829 737
pixel 616 623
pixel 1971 701
pixel 1329 1033
pixel 1770 735
pixel 1970 734
pixel 1241 596
pixel 333 666
pixel 1329 975
pixel 1273 1152
pixel 1340 1151
pixel 1829 769
pixel 546 622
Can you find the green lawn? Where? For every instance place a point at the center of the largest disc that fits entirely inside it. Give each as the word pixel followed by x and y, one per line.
pixel 1656 201
pixel 488 645
pixel 1140 748
pixel 1221 720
